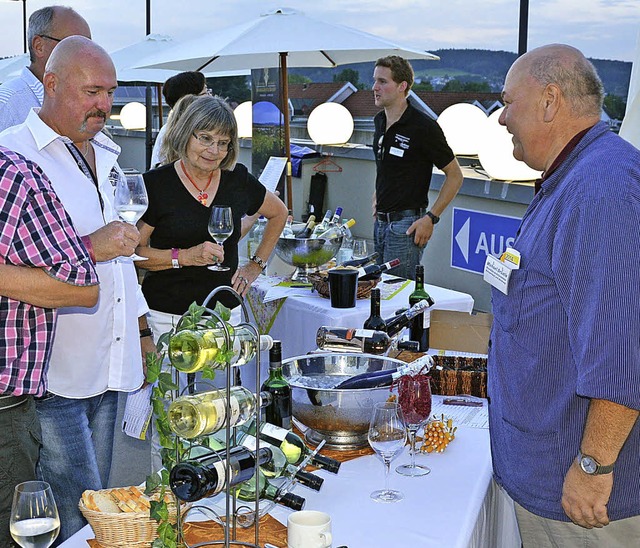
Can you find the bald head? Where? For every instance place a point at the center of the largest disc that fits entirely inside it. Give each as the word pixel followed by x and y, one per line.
pixel 567 68
pixel 79 83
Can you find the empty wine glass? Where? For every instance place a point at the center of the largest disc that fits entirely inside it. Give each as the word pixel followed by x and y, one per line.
pixel 34 521
pixel 220 228
pixel 360 248
pixel 131 200
pixel 387 437
pixel 414 398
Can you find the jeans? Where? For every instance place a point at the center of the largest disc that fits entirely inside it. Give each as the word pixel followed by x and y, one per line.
pixel 77 440
pixel 18 456
pixel 391 242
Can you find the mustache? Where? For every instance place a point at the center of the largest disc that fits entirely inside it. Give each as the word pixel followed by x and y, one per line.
pixel 96 114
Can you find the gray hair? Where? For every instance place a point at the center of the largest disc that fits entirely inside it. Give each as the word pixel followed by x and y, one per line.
pixel 205 113
pixel 167 153
pixel 575 75
pixel 40 22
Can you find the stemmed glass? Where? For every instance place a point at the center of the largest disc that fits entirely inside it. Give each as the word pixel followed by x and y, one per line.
pixel 387 437
pixel 131 200
pixel 220 228
pixel 34 521
pixel 414 398
pixel 360 249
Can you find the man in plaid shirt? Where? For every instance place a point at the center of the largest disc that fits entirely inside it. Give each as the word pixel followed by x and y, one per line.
pixel 43 265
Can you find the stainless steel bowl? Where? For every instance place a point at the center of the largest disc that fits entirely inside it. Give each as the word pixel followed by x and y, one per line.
pixel 341 417
pixel 307 254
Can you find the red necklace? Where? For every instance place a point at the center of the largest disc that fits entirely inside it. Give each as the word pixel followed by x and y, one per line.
pixel 202 196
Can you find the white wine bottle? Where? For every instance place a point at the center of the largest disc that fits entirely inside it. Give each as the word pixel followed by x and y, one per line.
pixel 201 414
pixel 376 379
pixel 336 231
pixel 205 475
pixel 279 411
pixel 268 491
pixel 291 445
pixel 192 350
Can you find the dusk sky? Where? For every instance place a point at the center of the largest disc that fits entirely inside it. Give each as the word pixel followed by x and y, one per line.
pixel 603 29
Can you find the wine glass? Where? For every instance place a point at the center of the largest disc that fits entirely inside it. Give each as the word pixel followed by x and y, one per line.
pixel 34 521
pixel 414 398
pixel 131 200
pixel 360 249
pixel 387 437
pixel 220 228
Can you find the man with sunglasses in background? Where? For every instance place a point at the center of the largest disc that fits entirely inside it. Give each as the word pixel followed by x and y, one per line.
pixel 407 144
pixel 47 27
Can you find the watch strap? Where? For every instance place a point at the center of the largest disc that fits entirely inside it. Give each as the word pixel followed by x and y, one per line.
pixel 434 218
pixel 599 469
pixel 174 258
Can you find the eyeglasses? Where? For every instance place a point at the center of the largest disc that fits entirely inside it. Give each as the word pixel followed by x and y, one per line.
pixel 207 142
pixel 51 37
pixel 380 153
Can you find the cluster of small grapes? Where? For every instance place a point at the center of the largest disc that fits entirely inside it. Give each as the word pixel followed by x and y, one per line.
pixel 438 433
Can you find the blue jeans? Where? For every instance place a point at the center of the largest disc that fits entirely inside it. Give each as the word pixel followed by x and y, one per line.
pixel 77 440
pixel 391 242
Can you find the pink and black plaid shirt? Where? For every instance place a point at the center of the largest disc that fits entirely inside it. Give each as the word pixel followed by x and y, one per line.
pixel 35 231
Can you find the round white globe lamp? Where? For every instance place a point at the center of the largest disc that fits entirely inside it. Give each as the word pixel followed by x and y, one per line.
pixel 496 153
pixel 330 124
pixel 462 125
pixel 244 119
pixel 133 116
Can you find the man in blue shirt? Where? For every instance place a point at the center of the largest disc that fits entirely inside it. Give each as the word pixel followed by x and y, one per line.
pixel 564 357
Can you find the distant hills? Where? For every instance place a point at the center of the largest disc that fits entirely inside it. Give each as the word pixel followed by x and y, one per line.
pixel 477 65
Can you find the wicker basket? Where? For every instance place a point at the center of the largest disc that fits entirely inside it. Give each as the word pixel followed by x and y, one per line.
pixel 123 529
pixel 320 283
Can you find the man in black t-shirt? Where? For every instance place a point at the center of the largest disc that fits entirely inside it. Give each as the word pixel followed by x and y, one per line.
pixel 407 144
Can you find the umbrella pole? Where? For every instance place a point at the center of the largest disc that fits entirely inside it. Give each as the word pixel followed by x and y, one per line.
pixel 287 136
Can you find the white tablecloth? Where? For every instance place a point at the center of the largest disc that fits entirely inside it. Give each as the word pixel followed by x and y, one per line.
pixel 456 505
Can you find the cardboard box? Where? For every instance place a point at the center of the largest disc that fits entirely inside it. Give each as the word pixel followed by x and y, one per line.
pixel 460 331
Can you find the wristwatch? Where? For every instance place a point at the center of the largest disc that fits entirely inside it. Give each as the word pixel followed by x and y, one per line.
pixel 260 262
pixel 434 218
pixel 591 466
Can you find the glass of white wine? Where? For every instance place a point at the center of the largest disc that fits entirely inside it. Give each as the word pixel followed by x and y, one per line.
pixel 387 437
pixel 220 228
pixel 131 200
pixel 34 521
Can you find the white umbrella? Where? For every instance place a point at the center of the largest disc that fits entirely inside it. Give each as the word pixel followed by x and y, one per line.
pixel 11 67
pixel 630 129
pixel 283 38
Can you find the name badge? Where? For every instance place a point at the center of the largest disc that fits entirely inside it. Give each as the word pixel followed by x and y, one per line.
pixel 396 151
pixel 497 273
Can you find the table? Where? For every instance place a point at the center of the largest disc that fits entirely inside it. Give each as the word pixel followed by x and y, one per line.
pixel 455 506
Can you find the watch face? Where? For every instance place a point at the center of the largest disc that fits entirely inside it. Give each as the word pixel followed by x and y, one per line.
pixel 588 465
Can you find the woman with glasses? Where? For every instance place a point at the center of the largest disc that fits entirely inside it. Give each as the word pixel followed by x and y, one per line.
pixel 201 171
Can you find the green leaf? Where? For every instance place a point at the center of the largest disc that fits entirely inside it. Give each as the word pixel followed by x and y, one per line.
pixel 222 311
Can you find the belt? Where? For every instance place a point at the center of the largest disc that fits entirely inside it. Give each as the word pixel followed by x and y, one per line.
pixel 7 402
pixel 397 215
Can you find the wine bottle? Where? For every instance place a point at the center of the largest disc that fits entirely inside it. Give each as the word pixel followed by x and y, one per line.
pixel 400 321
pixel 255 236
pixel 287 231
pixel 377 379
pixel 348 339
pixel 335 220
pixel 361 262
pixel 279 410
pixel 269 491
pixel 292 446
pixel 419 330
pixel 200 414
pixel 375 269
pixel 375 320
pixel 279 465
pixel 308 228
pixel 205 475
pixel 322 225
pixel 336 231
pixel 192 350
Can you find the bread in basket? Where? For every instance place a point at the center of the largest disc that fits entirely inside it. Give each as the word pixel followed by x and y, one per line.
pixel 120 516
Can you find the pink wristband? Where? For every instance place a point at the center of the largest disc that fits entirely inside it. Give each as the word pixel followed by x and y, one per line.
pixel 89 246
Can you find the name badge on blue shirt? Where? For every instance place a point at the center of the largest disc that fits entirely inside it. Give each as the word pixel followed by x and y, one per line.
pixel 497 272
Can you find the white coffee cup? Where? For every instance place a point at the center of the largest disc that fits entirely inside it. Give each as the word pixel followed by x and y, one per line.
pixel 309 529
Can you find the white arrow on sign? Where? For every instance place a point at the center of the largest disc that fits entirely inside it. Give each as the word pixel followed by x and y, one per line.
pixel 462 239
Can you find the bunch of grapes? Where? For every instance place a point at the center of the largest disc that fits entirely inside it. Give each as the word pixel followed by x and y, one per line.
pixel 438 433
